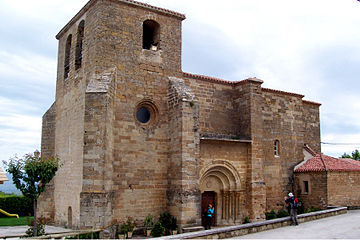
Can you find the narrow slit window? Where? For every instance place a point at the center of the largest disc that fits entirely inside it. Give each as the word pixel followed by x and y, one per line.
pixel 151 35
pixel 79 45
pixel 306 187
pixel 67 56
pixel 276 148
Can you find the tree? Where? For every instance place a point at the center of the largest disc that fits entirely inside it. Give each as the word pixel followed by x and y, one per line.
pixel 30 174
pixel 354 155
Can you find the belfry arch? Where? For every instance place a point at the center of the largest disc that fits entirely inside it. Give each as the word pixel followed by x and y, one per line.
pixel 222 179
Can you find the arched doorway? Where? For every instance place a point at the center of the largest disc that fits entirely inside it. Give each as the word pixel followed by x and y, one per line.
pixel 220 183
pixel 208 197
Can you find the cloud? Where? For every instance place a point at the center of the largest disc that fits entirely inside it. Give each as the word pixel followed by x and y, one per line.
pixel 20 133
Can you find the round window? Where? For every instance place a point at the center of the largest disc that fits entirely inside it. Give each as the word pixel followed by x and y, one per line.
pixel 146 112
pixel 143 115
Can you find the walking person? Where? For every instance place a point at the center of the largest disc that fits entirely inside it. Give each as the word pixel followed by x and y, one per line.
pixel 292 208
pixel 208 216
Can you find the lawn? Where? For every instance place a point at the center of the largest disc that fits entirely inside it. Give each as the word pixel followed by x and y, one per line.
pixel 13 221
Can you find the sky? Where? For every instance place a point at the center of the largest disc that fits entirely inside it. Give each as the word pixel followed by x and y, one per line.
pixel 307 47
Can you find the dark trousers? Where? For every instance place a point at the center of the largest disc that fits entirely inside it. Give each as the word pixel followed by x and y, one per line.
pixel 293 215
pixel 207 222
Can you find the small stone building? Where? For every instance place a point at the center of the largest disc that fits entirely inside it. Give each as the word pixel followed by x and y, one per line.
pixel 137 135
pixel 322 181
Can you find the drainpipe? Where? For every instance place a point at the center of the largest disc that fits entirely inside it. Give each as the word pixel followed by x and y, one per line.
pixel 326 174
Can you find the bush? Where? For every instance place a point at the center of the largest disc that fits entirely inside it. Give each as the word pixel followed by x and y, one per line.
pixel 165 220
pixel 20 205
pixel 149 221
pixel 173 223
pixel 270 215
pixel 130 224
pixel 282 213
pixel 246 220
pixel 157 230
pixel 40 228
pixel 123 229
pixel 313 209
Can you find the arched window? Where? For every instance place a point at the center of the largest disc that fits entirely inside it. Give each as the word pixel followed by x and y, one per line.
pixel 79 43
pixel 69 217
pixel 276 148
pixel 151 35
pixel 67 56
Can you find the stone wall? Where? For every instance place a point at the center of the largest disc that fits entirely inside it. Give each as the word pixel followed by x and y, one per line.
pixel 256 188
pixel 293 122
pixel 46 206
pixel 217 111
pixel 140 155
pixel 317 195
pixel 183 193
pixel 312 125
pixel 69 131
pixel 344 189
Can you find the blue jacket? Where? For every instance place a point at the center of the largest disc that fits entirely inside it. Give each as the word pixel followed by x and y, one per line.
pixel 210 212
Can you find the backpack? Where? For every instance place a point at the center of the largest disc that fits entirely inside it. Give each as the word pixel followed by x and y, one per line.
pixel 297 203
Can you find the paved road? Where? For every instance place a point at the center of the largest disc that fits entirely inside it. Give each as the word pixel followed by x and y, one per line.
pixel 19 230
pixel 344 226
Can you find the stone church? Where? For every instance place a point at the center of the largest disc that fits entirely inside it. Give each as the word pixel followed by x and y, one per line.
pixel 138 136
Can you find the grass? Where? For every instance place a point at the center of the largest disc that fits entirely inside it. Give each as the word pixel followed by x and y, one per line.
pixel 13 221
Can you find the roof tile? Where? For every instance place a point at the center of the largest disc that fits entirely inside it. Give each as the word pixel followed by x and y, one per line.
pixel 321 163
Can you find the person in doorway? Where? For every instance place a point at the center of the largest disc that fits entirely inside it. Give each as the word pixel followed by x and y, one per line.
pixel 208 216
pixel 290 200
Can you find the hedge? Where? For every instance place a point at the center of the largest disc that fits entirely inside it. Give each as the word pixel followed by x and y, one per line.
pixel 20 205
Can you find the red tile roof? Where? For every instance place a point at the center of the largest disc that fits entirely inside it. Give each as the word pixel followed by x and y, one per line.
pixel 321 162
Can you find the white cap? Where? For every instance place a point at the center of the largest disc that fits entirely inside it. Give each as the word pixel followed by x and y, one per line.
pixel 291 195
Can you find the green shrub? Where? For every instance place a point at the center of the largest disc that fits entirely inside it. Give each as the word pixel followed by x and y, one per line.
pixel 270 215
pixel 157 230
pixel 246 220
pixel 165 220
pixel 40 228
pixel 173 223
pixel 282 213
pixel 149 221
pixel 313 209
pixel 123 229
pixel 20 205
pixel 130 224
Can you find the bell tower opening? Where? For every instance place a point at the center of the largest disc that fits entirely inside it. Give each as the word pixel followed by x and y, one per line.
pixel 151 35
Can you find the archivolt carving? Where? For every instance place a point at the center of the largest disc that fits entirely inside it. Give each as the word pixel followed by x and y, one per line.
pixel 225 172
